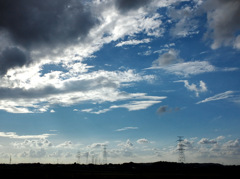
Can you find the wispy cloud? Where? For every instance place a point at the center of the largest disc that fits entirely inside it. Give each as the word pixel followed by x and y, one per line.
pixel 131 106
pixel 207 141
pixel 126 128
pixel 187 68
pixel 220 96
pixel 136 105
pixel 133 42
pixel 190 68
pixel 172 63
pixel 13 135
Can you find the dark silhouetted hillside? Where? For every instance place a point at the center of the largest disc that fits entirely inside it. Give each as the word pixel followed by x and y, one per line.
pixel 131 170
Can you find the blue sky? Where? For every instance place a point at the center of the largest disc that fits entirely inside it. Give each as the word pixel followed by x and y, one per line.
pixel 128 75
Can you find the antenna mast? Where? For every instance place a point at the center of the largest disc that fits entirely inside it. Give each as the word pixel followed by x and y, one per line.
pixel 181 156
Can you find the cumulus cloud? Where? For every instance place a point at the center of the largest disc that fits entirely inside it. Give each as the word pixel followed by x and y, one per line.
pixel 61 34
pixel 223 21
pixel 36 27
pixel 13 57
pixel 127 145
pixel 168 58
pixel 192 87
pixel 30 23
pixel 40 143
pixel 142 141
pixel 36 153
pixel 232 147
pixel 207 141
pixel 97 145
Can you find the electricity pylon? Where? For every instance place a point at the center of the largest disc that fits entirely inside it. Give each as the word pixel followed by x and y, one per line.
pixel 181 156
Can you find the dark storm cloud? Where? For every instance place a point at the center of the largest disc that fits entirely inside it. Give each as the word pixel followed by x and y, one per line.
pixel 223 20
pixel 34 25
pixel 13 57
pixel 127 5
pixel 32 22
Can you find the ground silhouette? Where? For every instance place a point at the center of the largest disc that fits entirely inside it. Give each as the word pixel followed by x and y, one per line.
pixel 131 170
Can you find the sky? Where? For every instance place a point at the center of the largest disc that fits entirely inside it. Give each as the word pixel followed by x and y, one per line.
pixel 77 76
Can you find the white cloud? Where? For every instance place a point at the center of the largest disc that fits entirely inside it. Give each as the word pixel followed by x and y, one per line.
pixel 127 145
pixel 97 145
pixel 96 112
pixel 131 106
pixel 220 138
pixel 126 128
pixel 97 86
pixel 237 43
pixel 142 141
pixel 36 153
pixel 185 23
pixel 171 62
pixel 13 135
pixel 40 143
pixel 136 105
pixel 31 86
pixel 207 141
pixel 133 42
pixel 187 68
pixel 192 87
pixel 220 96
pixel 232 147
pixel 52 111
pixel 66 144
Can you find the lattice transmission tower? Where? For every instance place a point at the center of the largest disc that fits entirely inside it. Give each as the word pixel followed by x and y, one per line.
pixel 104 154
pixel 181 156
pixel 78 156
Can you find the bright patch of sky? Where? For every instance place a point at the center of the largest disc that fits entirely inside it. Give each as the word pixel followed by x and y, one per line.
pixel 131 76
